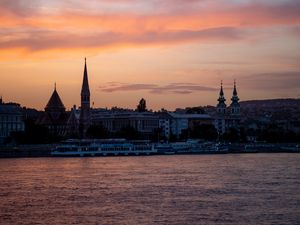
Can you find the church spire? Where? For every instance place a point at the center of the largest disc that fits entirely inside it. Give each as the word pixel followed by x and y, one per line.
pixel 221 98
pixel 235 97
pixel 235 105
pixel 234 88
pixel 85 83
pixel 85 103
pixel 221 90
pixel 221 107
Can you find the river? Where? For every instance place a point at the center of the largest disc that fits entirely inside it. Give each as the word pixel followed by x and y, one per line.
pixel 177 189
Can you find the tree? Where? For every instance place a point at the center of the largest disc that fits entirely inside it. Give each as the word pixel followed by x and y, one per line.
pixel 141 107
pixel 185 134
pixel 97 131
pixel 129 133
pixel 204 131
pixel 157 136
pixel 34 134
pixel 232 135
pixel 274 134
pixel 195 110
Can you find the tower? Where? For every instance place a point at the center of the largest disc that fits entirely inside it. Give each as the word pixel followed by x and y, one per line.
pixel 55 106
pixel 220 121
pixel 235 105
pixel 221 107
pixel 85 103
pixel 55 116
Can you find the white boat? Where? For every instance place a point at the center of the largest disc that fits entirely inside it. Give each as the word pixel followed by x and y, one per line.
pixel 192 146
pixel 103 148
pixel 117 147
pixel 164 148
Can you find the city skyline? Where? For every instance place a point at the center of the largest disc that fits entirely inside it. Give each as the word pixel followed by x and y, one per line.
pixel 172 53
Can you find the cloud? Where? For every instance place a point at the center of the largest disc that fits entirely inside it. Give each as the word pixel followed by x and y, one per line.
pixel 19 8
pixel 46 25
pixel 296 31
pixel 178 88
pixel 272 81
pixel 36 40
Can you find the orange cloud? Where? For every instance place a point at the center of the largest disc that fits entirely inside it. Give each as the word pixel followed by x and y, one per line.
pixel 35 30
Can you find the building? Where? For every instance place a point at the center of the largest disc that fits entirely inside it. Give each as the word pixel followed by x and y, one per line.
pixel 227 117
pixel 85 116
pixel 114 121
pixel 172 123
pixel 64 123
pixel 55 116
pixel 11 119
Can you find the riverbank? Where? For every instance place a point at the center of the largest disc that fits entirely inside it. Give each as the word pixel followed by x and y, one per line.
pixel 25 151
pixel 45 150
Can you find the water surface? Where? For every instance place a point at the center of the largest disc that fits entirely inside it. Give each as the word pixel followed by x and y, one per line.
pixel 191 189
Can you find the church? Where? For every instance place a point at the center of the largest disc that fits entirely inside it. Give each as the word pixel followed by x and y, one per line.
pixel 71 124
pixel 227 117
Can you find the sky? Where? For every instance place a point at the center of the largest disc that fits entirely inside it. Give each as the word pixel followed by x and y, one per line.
pixel 173 53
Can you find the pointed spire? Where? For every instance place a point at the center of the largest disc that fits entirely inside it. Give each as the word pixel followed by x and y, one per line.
pixel 221 95
pixel 221 90
pixel 54 86
pixel 221 105
pixel 85 84
pixel 235 97
pixel 55 102
pixel 234 88
pixel 85 103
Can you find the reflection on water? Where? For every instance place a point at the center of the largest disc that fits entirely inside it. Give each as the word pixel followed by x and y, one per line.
pixel 195 189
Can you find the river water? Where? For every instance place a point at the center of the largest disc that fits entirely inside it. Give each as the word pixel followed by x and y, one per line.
pixel 185 189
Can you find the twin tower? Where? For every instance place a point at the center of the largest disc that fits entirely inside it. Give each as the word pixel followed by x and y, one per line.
pixel 234 108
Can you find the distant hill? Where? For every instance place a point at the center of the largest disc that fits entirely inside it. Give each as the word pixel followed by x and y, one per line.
pixel 273 103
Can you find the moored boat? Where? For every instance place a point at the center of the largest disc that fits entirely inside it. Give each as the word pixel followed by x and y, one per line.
pixel 104 147
pixel 118 147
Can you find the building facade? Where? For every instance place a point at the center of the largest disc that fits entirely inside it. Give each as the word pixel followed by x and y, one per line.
pixel 11 119
pixel 227 117
pixel 172 123
pixel 143 122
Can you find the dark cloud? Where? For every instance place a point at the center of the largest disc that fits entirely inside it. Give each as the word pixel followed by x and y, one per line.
pixel 19 7
pixel 272 81
pixel 296 31
pixel 179 88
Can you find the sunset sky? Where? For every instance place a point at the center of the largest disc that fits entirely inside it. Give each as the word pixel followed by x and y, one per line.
pixel 173 53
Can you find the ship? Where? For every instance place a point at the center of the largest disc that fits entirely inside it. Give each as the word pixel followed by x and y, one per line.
pixel 103 147
pixel 123 147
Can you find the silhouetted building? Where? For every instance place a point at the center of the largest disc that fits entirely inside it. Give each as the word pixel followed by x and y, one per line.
pixel 11 119
pixel 73 123
pixel 172 123
pixel 85 116
pixel 227 117
pixel 55 116
pixel 114 121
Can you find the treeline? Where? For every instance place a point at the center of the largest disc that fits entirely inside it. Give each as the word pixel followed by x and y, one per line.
pixel 36 134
